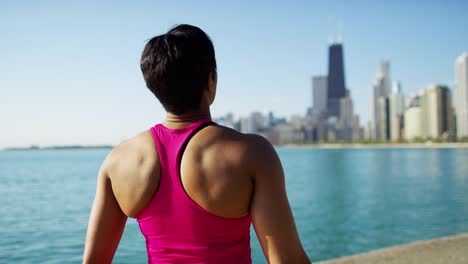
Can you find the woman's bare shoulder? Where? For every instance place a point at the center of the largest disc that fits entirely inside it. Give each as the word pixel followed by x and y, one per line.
pixel 132 167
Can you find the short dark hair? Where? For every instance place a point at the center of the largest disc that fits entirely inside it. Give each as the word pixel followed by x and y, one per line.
pixel 176 67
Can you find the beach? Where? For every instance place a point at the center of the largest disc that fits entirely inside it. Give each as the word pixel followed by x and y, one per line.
pixel 452 249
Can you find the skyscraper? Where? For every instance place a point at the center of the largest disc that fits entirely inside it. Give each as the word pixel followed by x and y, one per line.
pixel 397 108
pixel 346 121
pixel 336 79
pixel 437 120
pixel 380 88
pixel 319 92
pixel 413 127
pixel 439 114
pixel 461 103
pixel 384 118
pixel 424 107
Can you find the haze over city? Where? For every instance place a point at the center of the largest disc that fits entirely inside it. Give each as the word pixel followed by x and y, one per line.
pixel 70 72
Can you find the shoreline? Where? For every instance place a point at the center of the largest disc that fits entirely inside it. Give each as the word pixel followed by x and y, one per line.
pixel 426 145
pixel 64 147
pixel 456 145
pixel 450 249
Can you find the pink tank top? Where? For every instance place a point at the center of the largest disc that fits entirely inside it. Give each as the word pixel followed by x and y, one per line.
pixel 176 228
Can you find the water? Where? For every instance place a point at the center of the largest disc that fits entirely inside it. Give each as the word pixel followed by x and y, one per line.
pixel 345 201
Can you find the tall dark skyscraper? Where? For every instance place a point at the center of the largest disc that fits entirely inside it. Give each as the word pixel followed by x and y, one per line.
pixel 336 79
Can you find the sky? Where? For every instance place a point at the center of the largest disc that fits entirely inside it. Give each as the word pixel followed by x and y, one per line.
pixel 69 70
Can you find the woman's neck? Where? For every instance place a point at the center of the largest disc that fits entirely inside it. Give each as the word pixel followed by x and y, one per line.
pixel 178 121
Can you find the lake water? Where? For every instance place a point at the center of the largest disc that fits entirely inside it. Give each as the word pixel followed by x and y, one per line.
pixel 345 201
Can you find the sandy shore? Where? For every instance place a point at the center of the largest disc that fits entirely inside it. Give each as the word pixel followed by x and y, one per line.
pixel 453 250
pixel 382 145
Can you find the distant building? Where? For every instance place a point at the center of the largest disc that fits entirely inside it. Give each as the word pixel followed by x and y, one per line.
pixel 319 92
pixel 346 121
pixel 283 134
pixel 255 122
pixel 384 118
pixel 271 120
pixel 247 125
pixel 357 130
pixel 297 122
pixel 260 120
pixel 227 120
pixel 437 117
pixel 397 109
pixel 332 129
pixel 439 112
pixel 346 111
pixel 461 92
pixel 316 128
pixel 380 88
pixel 336 80
pixel 424 107
pixel 413 127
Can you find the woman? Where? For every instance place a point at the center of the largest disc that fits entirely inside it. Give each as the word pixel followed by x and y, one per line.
pixel 193 186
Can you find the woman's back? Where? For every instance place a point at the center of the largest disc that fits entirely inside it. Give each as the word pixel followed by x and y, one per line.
pixel 188 219
pixel 227 181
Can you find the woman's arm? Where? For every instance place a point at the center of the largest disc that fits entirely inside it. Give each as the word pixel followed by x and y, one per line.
pixel 106 222
pixel 270 211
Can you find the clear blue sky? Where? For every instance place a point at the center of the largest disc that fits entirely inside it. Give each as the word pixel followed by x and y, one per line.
pixel 69 70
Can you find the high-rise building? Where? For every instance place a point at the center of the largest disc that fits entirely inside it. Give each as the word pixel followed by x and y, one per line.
pixel 247 125
pixel 439 112
pixel 461 92
pixel 336 80
pixel 357 130
pixel 319 92
pixel 424 108
pixel 227 120
pixel 412 119
pixel 346 111
pixel 380 88
pixel 397 108
pixel 346 120
pixel 253 123
pixel 384 118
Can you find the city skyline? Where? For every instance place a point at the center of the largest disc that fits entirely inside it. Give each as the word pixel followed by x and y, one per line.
pixel 70 73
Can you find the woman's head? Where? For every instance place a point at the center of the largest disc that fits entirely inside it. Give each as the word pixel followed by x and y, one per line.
pixel 179 67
